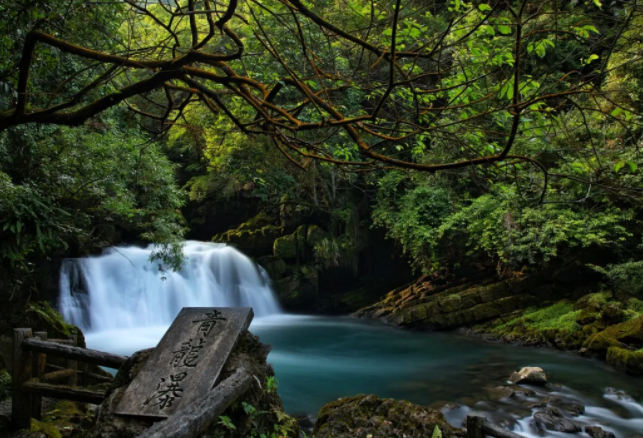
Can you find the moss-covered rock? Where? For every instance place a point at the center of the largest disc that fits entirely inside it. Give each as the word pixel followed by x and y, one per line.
pixel 626 333
pixel 626 360
pixel 285 247
pixel 365 416
pixel 315 235
pixel 64 419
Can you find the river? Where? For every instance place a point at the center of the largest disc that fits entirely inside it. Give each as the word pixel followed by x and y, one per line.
pixel 319 359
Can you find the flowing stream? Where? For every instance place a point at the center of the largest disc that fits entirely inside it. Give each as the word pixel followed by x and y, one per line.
pixel 122 304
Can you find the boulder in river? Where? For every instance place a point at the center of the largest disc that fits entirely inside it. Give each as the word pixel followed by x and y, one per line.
pixel 598 432
pixel 531 375
pixel 363 416
pixel 553 419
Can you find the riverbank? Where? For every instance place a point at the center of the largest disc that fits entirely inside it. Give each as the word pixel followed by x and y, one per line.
pixel 541 309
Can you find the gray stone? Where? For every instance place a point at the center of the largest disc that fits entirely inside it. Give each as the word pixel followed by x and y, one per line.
pixel 553 419
pixel 187 362
pixel 598 432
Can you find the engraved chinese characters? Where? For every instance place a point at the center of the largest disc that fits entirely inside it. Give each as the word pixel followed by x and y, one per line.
pixel 187 362
pixel 166 392
pixel 209 322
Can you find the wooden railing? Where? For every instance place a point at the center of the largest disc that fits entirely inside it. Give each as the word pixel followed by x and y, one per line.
pixel 31 381
pixel 478 427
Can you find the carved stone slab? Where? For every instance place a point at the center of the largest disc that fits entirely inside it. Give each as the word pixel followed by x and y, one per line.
pixel 186 364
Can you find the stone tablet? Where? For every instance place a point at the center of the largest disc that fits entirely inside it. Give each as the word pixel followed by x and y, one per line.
pixel 187 363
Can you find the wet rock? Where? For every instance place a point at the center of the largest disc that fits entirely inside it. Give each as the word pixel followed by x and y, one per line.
pixel 531 375
pixel 365 416
pixel 597 432
pixel 500 392
pixel 573 407
pixel 553 419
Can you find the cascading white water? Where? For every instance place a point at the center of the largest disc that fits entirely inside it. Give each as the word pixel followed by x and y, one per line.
pixel 122 289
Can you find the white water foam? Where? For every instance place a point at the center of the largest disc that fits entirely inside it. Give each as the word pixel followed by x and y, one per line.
pixel 121 289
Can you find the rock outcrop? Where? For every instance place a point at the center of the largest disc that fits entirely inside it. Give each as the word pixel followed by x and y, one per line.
pixel 367 416
pixel 431 306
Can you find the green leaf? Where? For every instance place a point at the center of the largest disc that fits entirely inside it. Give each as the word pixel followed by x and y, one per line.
pixel 484 7
pixel 616 112
pixel 633 166
pixel 437 433
pixel 505 30
pixel 598 3
pixel 618 166
pixel 225 421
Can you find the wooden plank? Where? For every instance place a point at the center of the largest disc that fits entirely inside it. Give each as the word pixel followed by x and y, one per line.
pixel 475 425
pixel 38 369
pixel 86 374
pixel 57 375
pixel 62 341
pixel 195 418
pixel 64 392
pixel 83 354
pixel 187 362
pixel 498 432
pixel 72 380
pixel 22 365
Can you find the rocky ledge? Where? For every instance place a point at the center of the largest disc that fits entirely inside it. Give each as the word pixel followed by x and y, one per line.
pixel 429 305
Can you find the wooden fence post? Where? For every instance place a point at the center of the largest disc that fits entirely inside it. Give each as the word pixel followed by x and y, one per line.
pixel 22 364
pixel 38 370
pixel 475 426
pixel 72 364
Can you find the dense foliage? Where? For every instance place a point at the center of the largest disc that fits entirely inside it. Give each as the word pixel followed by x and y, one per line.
pixel 500 134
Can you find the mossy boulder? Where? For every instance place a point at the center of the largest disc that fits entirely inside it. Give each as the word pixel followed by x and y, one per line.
pixel 285 247
pixel 368 416
pixel 628 333
pixel 315 235
pixel 64 419
pixel 626 360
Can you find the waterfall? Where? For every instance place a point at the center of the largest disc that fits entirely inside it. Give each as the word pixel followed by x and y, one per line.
pixel 122 289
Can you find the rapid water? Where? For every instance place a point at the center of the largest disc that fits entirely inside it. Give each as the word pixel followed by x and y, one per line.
pixel 123 305
pixel 121 289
